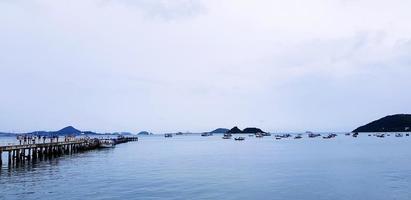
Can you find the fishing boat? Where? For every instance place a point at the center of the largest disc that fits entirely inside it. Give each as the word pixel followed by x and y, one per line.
pixel 266 134
pixel 107 143
pixel 239 138
pixel 398 135
pixel 298 136
pixel 330 136
pixel 168 135
pixel 227 136
pixel 206 134
pixel 313 135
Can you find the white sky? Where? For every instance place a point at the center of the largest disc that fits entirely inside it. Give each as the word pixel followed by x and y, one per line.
pixel 193 65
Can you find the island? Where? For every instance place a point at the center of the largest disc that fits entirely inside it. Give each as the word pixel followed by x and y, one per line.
pixel 219 130
pixel 252 130
pixel 391 123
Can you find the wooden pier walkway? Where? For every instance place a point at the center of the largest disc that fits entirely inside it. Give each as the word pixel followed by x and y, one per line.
pixel 21 153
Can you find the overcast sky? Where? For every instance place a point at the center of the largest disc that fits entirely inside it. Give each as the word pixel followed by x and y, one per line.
pixel 196 65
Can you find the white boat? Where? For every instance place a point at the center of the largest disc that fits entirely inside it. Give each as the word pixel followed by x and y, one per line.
pixel 227 136
pixel 107 143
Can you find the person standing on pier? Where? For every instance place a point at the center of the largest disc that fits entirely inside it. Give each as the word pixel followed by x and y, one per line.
pixel 19 139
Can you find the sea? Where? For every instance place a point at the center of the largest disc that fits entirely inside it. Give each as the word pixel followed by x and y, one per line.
pixel 195 167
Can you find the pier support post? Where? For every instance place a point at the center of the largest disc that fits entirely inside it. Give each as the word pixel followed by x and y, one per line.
pixel 23 155
pixel 18 156
pixel 1 160
pixel 14 157
pixel 34 153
pixel 9 159
pixel 29 154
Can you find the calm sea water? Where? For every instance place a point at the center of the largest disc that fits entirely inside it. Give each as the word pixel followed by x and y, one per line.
pixel 195 167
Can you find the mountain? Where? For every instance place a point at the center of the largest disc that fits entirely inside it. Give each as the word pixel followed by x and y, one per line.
pixel 121 133
pixel 252 130
pixel 391 123
pixel 220 130
pixel 7 134
pixel 235 130
pixel 69 130
pixel 145 133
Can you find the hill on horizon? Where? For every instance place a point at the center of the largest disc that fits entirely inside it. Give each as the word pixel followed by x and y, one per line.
pixel 235 130
pixel 391 123
pixel 220 130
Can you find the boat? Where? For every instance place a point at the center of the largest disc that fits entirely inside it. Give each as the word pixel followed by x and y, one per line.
pixel 168 135
pixel 380 135
pixel 298 136
pixel 259 135
pixel 239 138
pixel 206 134
pixel 330 136
pixel 348 134
pixel 107 143
pixel 179 133
pixel 313 135
pixel 355 134
pixel 407 134
pixel 398 135
pixel 278 138
pixel 251 135
pixel 227 136
pixel 266 134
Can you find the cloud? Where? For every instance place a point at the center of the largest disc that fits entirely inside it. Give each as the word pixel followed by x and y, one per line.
pixel 163 9
pixel 197 65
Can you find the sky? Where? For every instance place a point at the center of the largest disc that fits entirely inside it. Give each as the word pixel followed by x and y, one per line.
pixel 196 65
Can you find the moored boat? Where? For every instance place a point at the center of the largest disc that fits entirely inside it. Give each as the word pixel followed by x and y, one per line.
pixel 330 136
pixel 107 143
pixel 259 135
pixel 298 136
pixel 168 135
pixel 227 136
pixel 398 135
pixel 313 135
pixel 239 138
pixel 206 134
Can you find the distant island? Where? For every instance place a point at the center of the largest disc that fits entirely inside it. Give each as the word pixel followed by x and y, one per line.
pixel 220 130
pixel 236 130
pixel 144 133
pixel 391 123
pixel 69 130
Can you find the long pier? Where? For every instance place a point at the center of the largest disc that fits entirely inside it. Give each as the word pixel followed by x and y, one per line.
pixel 20 154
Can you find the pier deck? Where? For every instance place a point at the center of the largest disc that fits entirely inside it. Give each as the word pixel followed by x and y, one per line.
pixel 20 153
